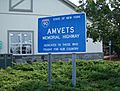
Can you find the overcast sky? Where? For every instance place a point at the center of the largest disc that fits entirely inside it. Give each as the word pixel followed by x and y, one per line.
pixel 76 2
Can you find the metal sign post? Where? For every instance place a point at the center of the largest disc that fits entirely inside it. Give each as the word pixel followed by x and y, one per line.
pixel 73 69
pixel 110 52
pixel 49 68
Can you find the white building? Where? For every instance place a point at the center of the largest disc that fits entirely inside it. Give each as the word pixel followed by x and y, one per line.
pixel 19 25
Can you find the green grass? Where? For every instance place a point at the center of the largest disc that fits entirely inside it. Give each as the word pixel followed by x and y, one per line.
pixel 91 76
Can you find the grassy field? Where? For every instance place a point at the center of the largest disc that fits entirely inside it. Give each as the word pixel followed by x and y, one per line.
pixel 91 76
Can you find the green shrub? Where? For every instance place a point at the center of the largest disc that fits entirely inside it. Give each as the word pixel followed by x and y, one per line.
pixel 91 76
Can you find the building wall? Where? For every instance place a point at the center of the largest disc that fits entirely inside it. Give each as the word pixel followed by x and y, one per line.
pixel 40 7
pixel 28 21
pixel 95 47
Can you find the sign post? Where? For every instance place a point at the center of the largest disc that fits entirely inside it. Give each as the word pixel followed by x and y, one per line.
pixel 62 34
pixel 110 52
pixel 49 68
pixel 74 69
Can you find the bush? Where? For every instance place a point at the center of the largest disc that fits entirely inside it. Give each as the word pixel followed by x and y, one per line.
pixel 91 76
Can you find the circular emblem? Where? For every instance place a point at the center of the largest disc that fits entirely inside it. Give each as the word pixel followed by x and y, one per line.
pixel 45 23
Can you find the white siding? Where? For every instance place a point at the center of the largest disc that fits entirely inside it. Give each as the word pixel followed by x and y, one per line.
pixel 41 7
pixel 95 47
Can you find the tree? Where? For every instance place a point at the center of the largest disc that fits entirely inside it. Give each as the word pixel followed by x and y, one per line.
pixel 106 21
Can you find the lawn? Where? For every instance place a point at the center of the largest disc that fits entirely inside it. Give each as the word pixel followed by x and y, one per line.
pixel 91 76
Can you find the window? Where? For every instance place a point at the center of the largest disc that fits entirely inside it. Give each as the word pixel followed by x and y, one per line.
pixel 20 43
pixel 21 5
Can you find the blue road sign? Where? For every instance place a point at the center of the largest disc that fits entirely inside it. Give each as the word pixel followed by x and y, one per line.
pixel 66 33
